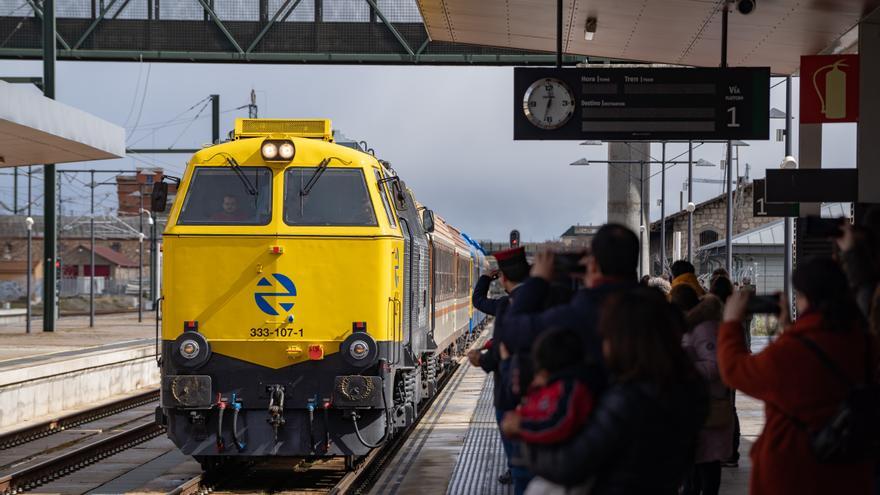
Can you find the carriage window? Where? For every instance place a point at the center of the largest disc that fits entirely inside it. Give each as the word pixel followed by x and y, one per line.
pixel 220 196
pixel 338 197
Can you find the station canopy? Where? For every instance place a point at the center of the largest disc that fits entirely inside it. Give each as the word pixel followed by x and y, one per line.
pixel 680 32
pixel 36 130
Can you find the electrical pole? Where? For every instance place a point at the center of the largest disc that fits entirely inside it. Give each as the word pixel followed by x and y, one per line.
pixel 787 242
pixel 252 107
pixel 30 263
pixel 15 191
pixel 663 210
pixel 728 241
pixel 690 188
pixel 215 119
pixel 50 232
pixel 92 252
pixel 140 295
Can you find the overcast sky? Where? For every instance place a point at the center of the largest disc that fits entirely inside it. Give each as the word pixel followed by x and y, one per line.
pixel 446 130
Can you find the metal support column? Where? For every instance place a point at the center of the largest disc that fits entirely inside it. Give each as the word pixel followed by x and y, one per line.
pixel 642 219
pixel 140 295
pixel 728 176
pixel 787 242
pixel 215 121
pixel 50 232
pixel 15 191
pixel 30 262
pixel 154 262
pixel 690 200
pixel 558 34
pixel 663 210
pixel 92 251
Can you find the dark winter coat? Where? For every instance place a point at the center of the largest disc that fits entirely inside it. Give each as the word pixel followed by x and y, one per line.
pixel 640 439
pixel 525 322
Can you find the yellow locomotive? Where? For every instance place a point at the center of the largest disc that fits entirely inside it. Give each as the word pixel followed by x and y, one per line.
pixel 309 303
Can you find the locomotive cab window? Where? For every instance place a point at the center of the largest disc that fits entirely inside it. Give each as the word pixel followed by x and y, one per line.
pixel 385 202
pixel 222 196
pixel 336 197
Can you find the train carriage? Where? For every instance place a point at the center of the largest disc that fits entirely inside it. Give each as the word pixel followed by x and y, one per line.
pixel 309 303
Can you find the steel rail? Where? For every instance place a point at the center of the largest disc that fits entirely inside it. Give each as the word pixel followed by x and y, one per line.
pixel 61 423
pixel 46 471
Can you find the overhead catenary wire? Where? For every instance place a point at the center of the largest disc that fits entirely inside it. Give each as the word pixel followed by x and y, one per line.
pixel 137 88
pixel 189 125
pixel 143 98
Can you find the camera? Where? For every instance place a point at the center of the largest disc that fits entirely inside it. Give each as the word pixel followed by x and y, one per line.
pixel 746 7
pixel 568 264
pixel 763 305
pixel 817 228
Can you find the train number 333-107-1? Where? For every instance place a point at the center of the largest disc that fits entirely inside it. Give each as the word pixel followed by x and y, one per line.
pixel 276 332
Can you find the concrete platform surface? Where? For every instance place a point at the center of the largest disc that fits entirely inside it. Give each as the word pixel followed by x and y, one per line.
pixel 73 333
pixel 456 448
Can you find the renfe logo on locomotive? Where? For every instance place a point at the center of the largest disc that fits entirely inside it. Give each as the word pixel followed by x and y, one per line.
pixel 284 284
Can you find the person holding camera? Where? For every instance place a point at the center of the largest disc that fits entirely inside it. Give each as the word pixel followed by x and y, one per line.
pixel 611 268
pixel 513 268
pixel 805 378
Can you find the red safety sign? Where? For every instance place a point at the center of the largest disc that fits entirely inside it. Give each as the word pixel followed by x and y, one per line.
pixel 829 89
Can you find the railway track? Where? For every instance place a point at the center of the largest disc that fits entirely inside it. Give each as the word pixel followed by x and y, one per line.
pixel 62 423
pixel 48 461
pixel 331 476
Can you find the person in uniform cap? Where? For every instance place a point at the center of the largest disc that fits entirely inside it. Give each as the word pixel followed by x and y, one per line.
pixel 512 270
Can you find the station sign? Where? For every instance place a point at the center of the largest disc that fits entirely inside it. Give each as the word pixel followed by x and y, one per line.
pixel 814 185
pixel 829 89
pixel 641 104
pixel 762 208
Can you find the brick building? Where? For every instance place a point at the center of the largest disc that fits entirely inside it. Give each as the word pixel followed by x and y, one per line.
pixel 115 237
pixel 710 219
pixel 133 191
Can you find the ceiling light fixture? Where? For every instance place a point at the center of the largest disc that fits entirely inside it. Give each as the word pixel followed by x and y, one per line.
pixel 590 30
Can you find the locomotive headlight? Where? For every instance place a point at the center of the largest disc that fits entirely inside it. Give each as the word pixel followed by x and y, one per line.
pixel 189 349
pixel 269 150
pixel 359 349
pixel 285 150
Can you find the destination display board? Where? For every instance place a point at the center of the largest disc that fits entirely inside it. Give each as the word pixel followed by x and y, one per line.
pixel 641 104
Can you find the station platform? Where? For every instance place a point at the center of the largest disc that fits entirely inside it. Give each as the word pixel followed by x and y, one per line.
pixel 456 448
pixel 43 374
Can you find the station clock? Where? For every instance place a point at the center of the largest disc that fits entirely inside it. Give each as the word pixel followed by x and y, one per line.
pixel 548 103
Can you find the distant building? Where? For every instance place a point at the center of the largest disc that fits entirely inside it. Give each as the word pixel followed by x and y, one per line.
pixel 109 263
pixel 133 191
pixel 710 225
pixel 579 235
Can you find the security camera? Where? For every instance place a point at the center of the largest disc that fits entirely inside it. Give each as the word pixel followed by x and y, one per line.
pixel 788 162
pixel 746 7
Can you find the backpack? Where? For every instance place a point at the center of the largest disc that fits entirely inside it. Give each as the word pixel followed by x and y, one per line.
pixel 852 434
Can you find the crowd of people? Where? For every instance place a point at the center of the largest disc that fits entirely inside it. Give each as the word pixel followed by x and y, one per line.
pixel 617 385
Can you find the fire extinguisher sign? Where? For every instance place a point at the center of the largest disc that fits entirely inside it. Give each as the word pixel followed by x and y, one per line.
pixel 829 89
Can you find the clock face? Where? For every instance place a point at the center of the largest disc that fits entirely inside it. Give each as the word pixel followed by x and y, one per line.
pixel 548 103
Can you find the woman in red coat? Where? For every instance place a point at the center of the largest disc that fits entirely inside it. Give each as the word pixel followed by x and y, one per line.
pixel 793 382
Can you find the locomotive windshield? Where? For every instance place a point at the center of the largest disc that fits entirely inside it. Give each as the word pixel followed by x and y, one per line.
pixel 340 198
pixel 219 196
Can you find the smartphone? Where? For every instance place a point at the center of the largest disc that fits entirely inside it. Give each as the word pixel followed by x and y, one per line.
pixel 817 227
pixel 567 264
pixel 763 305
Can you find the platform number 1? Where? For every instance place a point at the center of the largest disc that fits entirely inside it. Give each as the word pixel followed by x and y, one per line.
pixel 733 122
